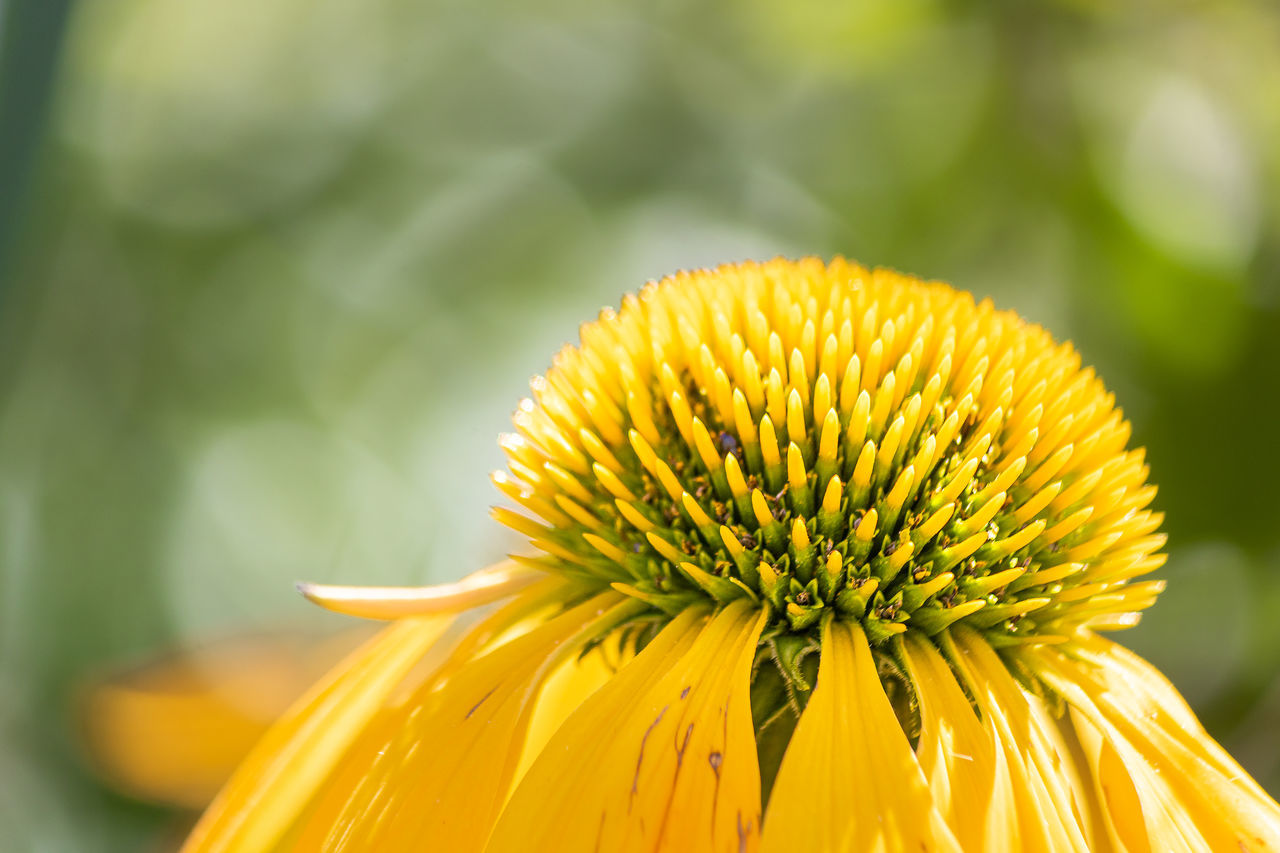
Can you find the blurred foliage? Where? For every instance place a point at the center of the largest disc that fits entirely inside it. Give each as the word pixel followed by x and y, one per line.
pixel 286 268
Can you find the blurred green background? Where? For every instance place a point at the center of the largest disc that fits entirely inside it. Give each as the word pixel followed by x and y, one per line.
pixel 275 275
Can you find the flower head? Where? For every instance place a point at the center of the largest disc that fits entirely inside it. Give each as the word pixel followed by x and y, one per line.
pixel 821 558
pixel 827 441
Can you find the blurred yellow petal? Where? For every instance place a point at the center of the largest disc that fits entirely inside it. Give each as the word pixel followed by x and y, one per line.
pixel 172 731
pixel 849 780
pixel 663 757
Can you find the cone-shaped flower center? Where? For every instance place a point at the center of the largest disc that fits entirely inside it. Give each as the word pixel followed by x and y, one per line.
pixel 824 439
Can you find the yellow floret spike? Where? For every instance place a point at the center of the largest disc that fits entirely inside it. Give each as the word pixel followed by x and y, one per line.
pixel 751 381
pixel 798 379
pixel 891 506
pixel 980 517
pixel 801 496
pixel 889 448
pixel 633 516
pixel 882 406
pixel 706 448
pixel 900 556
pixel 733 473
pixel 822 404
pixel 866 528
pixel 1003 481
pixel 799 536
pixel 929 528
pixel 611 482
pixel 669 480
pixel 956 484
pixel 608 549
pixel 924 458
pixel 696 513
pixel 831 499
pixel 771 453
pixel 797 432
pixel 775 394
pixel 871 373
pixel 859 420
pixel 1067 525
pixel 1033 505
pixel 864 467
pixel 829 442
pixel 851 391
pixel 665 548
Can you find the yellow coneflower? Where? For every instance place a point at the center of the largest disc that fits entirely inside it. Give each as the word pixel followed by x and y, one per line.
pixel 823 555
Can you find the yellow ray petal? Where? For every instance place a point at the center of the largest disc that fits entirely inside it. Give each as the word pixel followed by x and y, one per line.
pixel 1114 791
pixel 173 730
pixel 661 758
pixel 1077 786
pixel 282 773
pixel 395 602
pixel 1142 810
pixel 1049 813
pixel 566 689
pixel 1123 670
pixel 967 776
pixel 1187 784
pixel 547 793
pixel 849 780
pixel 304 750
pixel 437 769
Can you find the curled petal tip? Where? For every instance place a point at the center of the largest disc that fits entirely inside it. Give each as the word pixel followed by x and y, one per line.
pixel 395 602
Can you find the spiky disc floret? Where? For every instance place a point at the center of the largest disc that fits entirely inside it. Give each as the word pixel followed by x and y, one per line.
pixel 822 438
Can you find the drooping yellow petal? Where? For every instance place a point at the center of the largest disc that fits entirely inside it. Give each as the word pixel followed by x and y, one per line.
pixel 173 730
pixel 566 689
pixel 282 773
pixel 395 602
pixel 967 775
pixel 1126 674
pixel 438 768
pixel 1188 786
pixel 548 791
pixel 849 780
pixel 1113 788
pixel 661 758
pixel 1048 809
pixel 1142 809
pixel 304 750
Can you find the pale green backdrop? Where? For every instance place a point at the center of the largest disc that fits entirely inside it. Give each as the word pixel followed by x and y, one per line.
pixel 275 275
